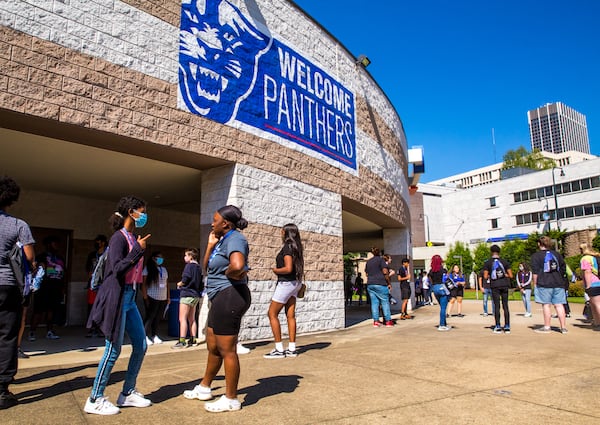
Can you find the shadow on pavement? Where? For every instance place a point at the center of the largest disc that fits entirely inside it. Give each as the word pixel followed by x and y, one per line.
pixel 270 386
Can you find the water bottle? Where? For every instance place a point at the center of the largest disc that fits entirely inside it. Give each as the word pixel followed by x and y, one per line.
pixel 37 279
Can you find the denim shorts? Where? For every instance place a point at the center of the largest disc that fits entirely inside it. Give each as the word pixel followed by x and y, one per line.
pixel 550 295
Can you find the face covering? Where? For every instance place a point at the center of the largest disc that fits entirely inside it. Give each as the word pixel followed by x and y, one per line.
pixel 141 220
pixel 521 268
pixel 159 261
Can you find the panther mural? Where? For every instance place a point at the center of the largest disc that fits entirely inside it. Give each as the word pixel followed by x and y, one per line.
pixel 219 50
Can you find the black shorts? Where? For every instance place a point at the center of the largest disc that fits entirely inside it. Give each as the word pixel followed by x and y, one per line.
pixel 593 291
pixel 405 291
pixel 227 309
pixel 48 297
pixel 459 291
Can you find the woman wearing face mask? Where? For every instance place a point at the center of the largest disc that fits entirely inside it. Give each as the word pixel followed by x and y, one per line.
pixel 524 284
pixel 115 310
pixel 156 296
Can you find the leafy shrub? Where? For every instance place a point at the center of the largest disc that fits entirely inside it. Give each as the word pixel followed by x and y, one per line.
pixel 576 289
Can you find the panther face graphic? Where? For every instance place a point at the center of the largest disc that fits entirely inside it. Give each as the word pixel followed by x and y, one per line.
pixel 218 55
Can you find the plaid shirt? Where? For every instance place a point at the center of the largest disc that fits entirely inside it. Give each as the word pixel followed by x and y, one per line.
pixel 158 290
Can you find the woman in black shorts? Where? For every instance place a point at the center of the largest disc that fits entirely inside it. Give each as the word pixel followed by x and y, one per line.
pixel 226 263
pixel 457 293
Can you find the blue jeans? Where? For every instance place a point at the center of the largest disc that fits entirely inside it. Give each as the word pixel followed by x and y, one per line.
pixel 441 293
pixel 379 295
pixel 526 295
pixel 487 295
pixel 131 321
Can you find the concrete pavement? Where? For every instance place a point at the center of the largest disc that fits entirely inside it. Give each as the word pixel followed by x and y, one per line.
pixel 409 374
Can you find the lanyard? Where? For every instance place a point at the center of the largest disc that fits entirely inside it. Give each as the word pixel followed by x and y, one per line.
pixel 217 247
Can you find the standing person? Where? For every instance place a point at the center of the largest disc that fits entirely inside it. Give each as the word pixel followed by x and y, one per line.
pixel 426 292
pixel 524 278
pixel 115 310
pixel 457 293
pixel 391 272
pixel 404 279
pixel 190 288
pixel 48 298
pixel 486 289
pixel 12 230
pixel 499 272
pixel 226 262
pixel 360 287
pixel 548 268
pixel 378 288
pixel 436 279
pixel 591 279
pixel 289 268
pixel 155 292
pixel 100 243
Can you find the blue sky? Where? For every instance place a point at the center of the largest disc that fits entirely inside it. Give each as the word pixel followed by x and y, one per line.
pixel 456 69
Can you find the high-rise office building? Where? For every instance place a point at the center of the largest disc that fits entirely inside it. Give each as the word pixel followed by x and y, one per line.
pixel 557 128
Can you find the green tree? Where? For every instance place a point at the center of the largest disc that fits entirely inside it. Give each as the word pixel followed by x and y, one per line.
pixel 480 255
pixel 350 263
pixel 521 157
pixel 596 243
pixel 460 249
pixel 515 252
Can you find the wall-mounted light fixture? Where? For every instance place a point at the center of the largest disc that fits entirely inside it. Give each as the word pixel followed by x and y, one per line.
pixel 363 60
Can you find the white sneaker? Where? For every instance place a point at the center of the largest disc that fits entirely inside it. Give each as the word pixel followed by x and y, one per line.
pixel 149 342
pixel 223 404
pixel 241 349
pixel 527 315
pixel 100 407
pixel 135 399
pixel 157 340
pixel 444 328
pixel 199 392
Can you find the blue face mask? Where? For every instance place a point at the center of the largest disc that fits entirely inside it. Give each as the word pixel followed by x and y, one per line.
pixel 141 220
pixel 159 261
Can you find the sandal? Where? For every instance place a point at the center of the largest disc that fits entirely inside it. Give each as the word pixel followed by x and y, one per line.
pixel 223 405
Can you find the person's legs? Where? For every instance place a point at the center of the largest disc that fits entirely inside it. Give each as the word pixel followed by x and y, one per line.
pixel 526 294
pixel 213 360
pixel 560 311
pixel 595 309
pixel 504 295
pixel 151 314
pixel 547 312
pixel 450 305
pixel 486 296
pixel 10 322
pixel 374 302
pixel 135 329
pixel 273 313
pixel 156 320
pixel 183 320
pixel 443 301
pixel 204 306
pixel 290 313
pixel 226 344
pixel 496 301
pixel 384 300
pixel 191 319
pixel 459 304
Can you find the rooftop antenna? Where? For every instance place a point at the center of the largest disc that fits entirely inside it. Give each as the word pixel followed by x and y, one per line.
pixel 494 143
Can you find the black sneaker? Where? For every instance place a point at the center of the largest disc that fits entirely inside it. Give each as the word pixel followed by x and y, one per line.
pixel 21 354
pixel 290 353
pixel 179 345
pixel 192 342
pixel 7 399
pixel 275 354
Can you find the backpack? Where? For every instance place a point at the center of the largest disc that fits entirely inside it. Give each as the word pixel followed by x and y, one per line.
pixel 99 271
pixel 498 271
pixel 550 263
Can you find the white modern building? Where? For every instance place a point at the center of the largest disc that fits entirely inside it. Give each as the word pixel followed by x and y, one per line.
pixel 566 197
pixel 555 127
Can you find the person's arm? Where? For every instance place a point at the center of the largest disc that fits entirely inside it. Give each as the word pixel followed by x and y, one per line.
pixel 237 266
pixel 212 241
pixel 287 268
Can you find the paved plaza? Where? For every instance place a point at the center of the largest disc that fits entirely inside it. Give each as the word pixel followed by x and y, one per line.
pixel 409 374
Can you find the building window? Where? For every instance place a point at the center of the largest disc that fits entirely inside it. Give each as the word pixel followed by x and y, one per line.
pixel 494 223
pixel 493 201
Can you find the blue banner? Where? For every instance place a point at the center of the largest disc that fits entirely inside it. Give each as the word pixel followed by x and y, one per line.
pixel 230 71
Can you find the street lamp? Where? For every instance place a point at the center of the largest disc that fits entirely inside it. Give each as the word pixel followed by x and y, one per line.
pixel 422 217
pixel 562 174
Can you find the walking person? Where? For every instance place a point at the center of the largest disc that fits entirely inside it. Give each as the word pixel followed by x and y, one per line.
pixel 115 310
pixel 426 291
pixel 378 288
pixel 155 293
pixel 359 283
pixel 226 262
pixel 457 293
pixel 289 268
pixel 591 279
pixel 524 278
pixel 436 278
pixel 12 230
pixel 548 268
pixel 498 271
pixel 190 288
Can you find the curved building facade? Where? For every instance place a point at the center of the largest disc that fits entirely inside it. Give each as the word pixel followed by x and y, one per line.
pixel 193 105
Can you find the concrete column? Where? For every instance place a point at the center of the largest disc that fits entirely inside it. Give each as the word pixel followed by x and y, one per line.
pixel 396 242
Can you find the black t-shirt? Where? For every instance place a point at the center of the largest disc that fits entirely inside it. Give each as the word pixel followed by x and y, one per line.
pixel 503 282
pixel 435 278
pixel 553 279
pixel 280 262
pixel 402 272
pixel 374 270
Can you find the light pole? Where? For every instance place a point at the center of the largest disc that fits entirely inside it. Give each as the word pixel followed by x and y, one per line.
pixel 562 174
pixel 423 217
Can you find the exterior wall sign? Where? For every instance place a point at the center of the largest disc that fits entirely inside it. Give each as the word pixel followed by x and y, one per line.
pixel 232 72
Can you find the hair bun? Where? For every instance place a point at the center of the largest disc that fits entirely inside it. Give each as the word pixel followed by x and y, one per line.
pixel 242 223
